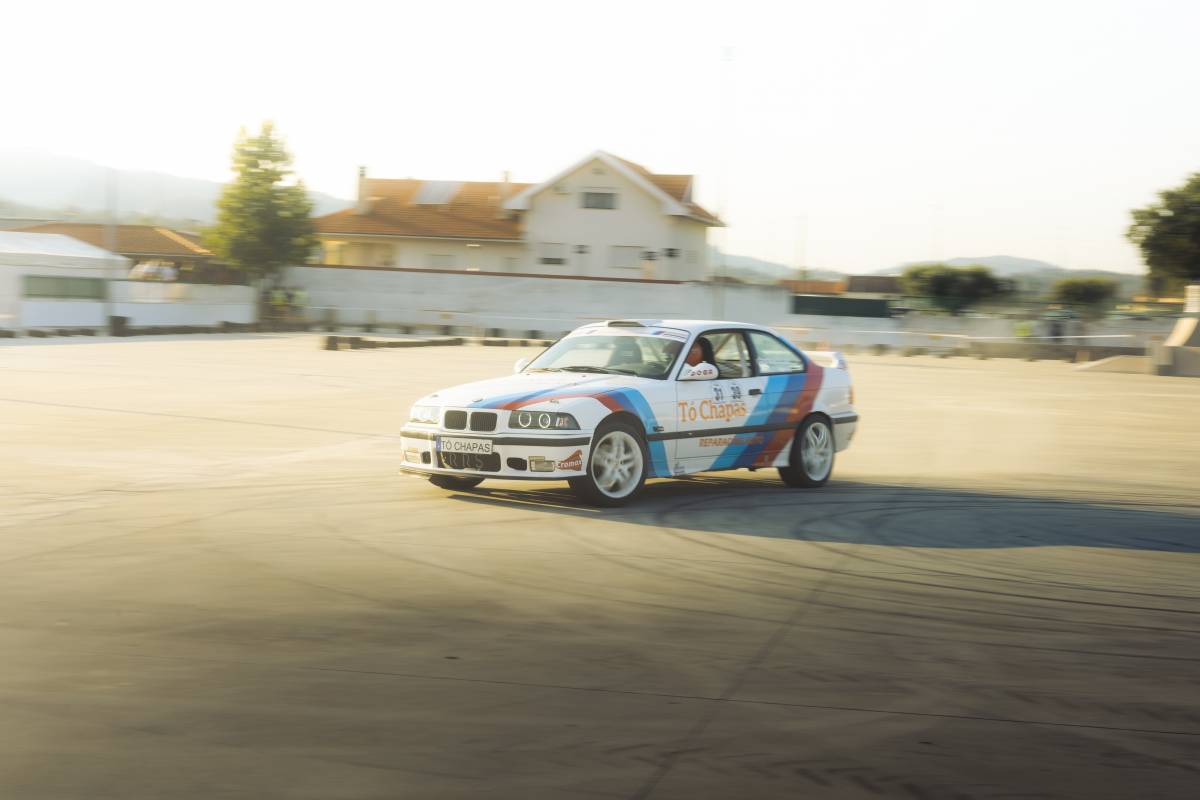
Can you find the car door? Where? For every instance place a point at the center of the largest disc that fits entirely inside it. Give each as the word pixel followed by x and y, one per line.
pixel 790 385
pixel 712 415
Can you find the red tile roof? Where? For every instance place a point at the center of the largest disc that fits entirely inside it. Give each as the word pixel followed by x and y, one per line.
pixel 874 284
pixel 814 286
pixel 678 187
pixel 474 211
pixel 140 240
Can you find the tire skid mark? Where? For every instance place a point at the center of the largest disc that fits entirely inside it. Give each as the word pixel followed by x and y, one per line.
pixel 908 507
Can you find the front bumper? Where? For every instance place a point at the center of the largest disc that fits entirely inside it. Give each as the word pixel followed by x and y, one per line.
pixel 518 456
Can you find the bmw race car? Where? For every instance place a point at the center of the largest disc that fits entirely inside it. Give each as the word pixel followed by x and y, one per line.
pixel 614 403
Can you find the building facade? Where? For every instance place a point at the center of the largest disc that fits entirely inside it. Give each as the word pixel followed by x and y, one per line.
pixel 602 217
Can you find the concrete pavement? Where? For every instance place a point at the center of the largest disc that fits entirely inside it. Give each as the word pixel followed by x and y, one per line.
pixel 214 585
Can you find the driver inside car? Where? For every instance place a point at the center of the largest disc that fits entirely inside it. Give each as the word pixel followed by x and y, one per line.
pixel 699 364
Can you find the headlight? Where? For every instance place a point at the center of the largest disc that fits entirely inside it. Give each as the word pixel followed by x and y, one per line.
pixel 543 420
pixel 426 414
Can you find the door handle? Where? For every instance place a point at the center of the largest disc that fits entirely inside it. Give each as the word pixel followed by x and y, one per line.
pixel 755 391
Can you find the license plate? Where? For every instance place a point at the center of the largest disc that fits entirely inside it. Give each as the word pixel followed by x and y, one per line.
pixel 453 444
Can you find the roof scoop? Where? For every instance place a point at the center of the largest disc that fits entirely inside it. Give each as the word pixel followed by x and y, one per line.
pixel 629 323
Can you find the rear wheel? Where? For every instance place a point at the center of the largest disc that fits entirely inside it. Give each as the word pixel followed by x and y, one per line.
pixel 454 483
pixel 616 468
pixel 811 461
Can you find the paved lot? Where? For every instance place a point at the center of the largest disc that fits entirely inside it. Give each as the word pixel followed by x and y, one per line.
pixel 213 585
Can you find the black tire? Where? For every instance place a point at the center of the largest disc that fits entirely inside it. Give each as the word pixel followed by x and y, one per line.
pixel 454 483
pixel 589 490
pixel 797 474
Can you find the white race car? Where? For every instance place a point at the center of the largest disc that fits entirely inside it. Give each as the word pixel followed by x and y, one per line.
pixel 614 403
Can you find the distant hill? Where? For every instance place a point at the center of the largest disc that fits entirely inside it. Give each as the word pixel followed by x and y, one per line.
pixel 39 184
pixel 1033 276
pixel 1002 266
pixel 755 270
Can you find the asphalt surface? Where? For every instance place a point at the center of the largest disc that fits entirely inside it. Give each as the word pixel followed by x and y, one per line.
pixel 213 584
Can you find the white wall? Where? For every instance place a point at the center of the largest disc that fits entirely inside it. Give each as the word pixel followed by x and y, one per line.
pixel 148 303
pixel 37 313
pixel 519 303
pixel 17 312
pixel 942 332
pixel 637 221
pixel 10 297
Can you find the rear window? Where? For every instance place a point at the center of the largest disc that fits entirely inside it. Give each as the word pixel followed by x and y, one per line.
pixel 773 357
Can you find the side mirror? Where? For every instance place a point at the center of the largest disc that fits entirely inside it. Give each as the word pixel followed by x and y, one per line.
pixel 521 364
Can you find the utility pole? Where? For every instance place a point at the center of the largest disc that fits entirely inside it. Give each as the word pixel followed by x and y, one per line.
pixel 723 184
pixel 802 246
pixel 110 241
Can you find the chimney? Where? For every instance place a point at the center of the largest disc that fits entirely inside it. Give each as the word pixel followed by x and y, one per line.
pixel 501 212
pixel 364 198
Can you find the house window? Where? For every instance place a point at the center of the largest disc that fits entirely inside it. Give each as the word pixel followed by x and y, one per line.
pixel 605 200
pixel 552 253
pixel 441 261
pixel 625 257
pixel 333 253
pixel 59 288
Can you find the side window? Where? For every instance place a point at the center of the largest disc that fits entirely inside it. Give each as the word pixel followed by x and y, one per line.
pixel 552 253
pixel 772 356
pixel 729 349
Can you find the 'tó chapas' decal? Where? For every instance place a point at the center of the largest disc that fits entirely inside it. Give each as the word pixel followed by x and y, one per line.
pixel 573 462
pixel 706 410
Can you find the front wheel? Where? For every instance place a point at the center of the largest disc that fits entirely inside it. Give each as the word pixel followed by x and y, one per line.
pixel 454 483
pixel 616 468
pixel 811 461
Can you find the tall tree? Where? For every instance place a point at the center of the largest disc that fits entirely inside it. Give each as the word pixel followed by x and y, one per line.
pixel 263 216
pixel 952 288
pixel 1168 233
pixel 1090 293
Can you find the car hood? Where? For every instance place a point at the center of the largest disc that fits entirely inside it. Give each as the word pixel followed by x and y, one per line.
pixel 528 388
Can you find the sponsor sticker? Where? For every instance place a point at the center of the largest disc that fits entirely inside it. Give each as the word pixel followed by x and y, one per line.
pixel 450 444
pixel 692 410
pixel 573 462
pixel 742 439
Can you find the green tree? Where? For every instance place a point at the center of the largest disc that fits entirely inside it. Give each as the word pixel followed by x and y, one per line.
pixel 263 216
pixel 1092 293
pixel 952 288
pixel 1168 233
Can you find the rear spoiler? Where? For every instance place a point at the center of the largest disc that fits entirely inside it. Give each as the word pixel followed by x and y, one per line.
pixel 829 358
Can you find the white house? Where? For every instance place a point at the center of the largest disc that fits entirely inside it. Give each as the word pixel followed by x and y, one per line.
pixel 603 217
pixel 55 281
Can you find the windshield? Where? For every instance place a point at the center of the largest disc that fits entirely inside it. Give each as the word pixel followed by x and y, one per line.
pixel 617 354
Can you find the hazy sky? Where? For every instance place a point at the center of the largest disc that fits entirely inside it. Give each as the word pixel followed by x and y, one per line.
pixel 856 135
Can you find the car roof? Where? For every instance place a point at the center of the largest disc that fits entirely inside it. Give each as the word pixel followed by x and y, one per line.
pixel 689 325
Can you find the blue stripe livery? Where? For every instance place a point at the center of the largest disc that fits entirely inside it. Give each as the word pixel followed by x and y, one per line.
pixel 633 402
pixel 780 395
